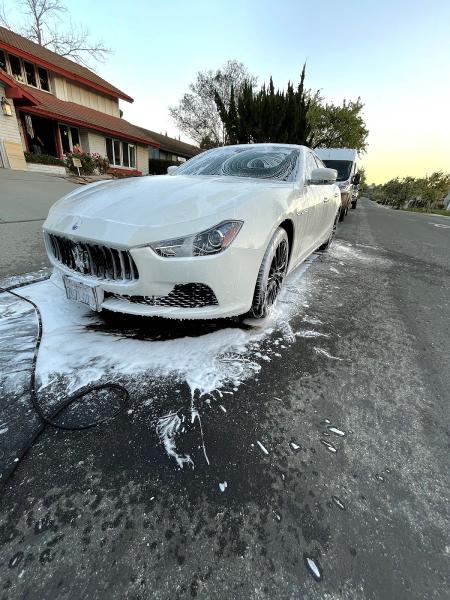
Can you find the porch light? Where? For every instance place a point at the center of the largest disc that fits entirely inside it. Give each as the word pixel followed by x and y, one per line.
pixel 6 107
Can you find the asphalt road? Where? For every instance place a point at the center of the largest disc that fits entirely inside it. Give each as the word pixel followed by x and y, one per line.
pixel 25 199
pixel 106 513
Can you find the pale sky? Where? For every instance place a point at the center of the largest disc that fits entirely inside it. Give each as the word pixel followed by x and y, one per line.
pixel 395 54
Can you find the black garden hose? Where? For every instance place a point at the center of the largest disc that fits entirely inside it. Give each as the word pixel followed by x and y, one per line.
pixel 49 420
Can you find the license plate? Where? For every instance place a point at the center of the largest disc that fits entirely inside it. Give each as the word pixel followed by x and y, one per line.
pixel 82 292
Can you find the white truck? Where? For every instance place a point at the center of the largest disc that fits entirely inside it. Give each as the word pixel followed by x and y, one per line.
pixel 345 161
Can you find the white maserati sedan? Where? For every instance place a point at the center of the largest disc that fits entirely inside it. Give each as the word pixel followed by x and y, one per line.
pixel 213 238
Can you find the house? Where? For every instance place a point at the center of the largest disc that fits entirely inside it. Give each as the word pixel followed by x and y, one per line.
pixel 50 105
pixel 170 148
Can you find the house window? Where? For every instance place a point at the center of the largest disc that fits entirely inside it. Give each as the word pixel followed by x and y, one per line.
pixel 43 79
pixel 120 154
pixel 2 60
pixel 16 68
pixel 117 157
pixel 110 151
pixel 70 138
pixel 132 150
pixel 75 137
pixel 30 73
pixel 125 155
pixel 24 71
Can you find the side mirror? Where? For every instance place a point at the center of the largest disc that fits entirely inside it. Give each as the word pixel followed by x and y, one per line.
pixel 323 175
pixel 356 178
pixel 171 170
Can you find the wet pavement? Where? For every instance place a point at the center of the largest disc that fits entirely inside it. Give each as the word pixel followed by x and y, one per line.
pixel 314 464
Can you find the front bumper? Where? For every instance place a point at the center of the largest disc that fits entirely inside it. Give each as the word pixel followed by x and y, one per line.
pixel 230 275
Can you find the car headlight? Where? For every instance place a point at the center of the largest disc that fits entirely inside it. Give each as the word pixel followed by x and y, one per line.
pixel 211 241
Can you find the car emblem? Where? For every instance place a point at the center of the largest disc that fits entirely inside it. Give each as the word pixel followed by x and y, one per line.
pixel 81 259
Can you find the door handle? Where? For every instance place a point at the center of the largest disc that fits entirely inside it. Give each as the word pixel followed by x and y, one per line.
pixel 326 199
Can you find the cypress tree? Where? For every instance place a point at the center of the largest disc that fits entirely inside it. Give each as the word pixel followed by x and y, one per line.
pixel 267 115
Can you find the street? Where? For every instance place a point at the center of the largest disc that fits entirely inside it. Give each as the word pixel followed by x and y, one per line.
pixel 315 466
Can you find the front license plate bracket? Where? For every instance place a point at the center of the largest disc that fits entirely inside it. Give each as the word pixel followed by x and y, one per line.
pixel 84 293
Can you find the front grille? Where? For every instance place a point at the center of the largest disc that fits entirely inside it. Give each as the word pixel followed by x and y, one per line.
pixel 102 262
pixel 186 295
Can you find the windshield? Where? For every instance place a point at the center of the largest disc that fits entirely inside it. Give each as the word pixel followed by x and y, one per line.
pixel 343 167
pixel 260 162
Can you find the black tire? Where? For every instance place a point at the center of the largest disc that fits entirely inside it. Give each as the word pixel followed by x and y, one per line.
pixel 329 241
pixel 271 274
pixel 341 214
pixel 354 204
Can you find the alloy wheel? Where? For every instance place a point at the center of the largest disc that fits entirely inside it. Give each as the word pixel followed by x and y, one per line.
pixel 276 273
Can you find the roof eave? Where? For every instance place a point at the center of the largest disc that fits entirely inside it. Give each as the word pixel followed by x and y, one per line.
pixel 61 71
pixel 80 123
pixel 14 91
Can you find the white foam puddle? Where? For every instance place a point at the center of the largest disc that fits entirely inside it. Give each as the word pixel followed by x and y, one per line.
pixel 168 428
pixel 206 362
pixel 336 431
pixel 75 346
pixel 338 502
pixel 262 447
pixel 329 446
pixel 325 353
pixel 310 333
pixel 195 415
pixel 313 567
pixel 355 252
pixel 312 320
pixel 223 486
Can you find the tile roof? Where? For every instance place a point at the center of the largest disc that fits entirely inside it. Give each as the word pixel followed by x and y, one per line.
pixel 43 56
pixel 172 145
pixel 49 106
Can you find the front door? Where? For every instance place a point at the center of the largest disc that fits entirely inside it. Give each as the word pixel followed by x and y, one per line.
pixel 303 211
pixel 315 208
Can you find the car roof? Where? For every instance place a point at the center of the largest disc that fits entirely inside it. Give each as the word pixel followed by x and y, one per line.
pixel 267 144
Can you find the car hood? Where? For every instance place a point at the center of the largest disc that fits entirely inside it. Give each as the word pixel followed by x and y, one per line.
pixel 146 209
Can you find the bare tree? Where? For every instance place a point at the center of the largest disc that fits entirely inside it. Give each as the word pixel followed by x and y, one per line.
pixel 44 25
pixel 196 114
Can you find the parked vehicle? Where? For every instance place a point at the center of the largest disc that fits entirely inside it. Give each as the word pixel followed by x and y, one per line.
pixel 345 161
pixel 215 238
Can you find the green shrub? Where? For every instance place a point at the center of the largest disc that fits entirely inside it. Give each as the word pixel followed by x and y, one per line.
pixel 87 163
pixel 101 163
pixel 43 159
pixel 157 166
